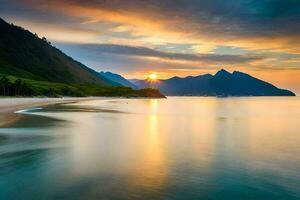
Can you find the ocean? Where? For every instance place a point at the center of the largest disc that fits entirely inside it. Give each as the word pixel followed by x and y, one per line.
pixel 178 148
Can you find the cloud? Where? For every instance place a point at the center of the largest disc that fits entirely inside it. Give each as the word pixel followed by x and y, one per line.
pixel 152 53
pixel 272 25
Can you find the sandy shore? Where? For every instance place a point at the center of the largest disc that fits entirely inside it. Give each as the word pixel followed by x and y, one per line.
pixel 9 105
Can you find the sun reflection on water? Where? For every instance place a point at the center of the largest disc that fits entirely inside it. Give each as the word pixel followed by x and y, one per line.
pixel 151 169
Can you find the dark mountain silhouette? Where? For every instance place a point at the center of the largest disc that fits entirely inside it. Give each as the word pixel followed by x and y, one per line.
pixel 26 55
pixel 222 83
pixel 118 79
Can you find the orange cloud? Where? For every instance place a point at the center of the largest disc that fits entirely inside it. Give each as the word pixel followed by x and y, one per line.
pixel 150 26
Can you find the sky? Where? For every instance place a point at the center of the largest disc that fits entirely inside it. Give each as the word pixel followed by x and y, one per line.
pixel 171 37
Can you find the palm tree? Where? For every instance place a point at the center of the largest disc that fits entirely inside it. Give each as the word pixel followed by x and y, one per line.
pixel 8 88
pixel 18 85
pixel 1 88
pixel 4 82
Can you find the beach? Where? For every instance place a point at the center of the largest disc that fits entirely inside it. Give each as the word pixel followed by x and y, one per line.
pixel 8 106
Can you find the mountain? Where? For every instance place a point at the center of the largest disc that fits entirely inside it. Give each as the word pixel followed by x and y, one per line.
pixel 26 55
pixel 223 83
pixel 31 66
pixel 118 79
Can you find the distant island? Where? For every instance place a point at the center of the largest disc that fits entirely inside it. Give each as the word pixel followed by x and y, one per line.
pixel 31 66
pixel 223 83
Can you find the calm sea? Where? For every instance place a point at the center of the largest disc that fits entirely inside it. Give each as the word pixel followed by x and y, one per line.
pixel 158 149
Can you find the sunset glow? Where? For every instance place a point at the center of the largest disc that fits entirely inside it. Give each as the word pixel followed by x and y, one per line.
pixel 132 37
pixel 153 77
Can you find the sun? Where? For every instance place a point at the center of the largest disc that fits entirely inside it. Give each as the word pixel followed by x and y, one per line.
pixel 153 77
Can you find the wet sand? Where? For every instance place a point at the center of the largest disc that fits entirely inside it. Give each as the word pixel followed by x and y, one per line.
pixel 8 106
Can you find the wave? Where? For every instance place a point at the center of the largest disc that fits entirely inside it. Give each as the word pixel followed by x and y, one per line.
pixel 28 110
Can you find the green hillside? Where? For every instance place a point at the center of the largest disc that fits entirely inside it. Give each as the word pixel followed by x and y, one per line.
pixel 26 55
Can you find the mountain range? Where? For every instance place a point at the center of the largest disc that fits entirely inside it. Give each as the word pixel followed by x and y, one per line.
pixel 223 83
pixel 31 66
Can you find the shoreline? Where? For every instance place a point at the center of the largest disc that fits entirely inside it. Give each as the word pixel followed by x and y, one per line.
pixel 8 106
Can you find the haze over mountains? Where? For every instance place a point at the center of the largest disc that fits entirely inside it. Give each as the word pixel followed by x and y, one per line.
pixel 222 83
pixel 118 79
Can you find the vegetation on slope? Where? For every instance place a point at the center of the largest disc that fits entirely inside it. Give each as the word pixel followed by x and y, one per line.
pixel 13 86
